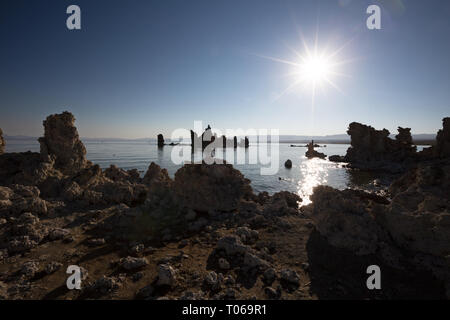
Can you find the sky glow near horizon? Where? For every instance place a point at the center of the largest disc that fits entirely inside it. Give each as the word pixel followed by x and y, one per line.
pixel 136 70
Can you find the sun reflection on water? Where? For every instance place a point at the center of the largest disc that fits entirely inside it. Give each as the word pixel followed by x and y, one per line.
pixel 314 172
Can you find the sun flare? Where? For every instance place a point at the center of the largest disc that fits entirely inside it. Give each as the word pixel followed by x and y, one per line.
pixel 315 69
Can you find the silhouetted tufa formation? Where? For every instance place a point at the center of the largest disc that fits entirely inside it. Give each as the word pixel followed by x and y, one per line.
pixel 160 141
pixel 311 153
pixel 442 149
pixel 247 143
pixel 2 142
pixel 372 149
pixel 62 144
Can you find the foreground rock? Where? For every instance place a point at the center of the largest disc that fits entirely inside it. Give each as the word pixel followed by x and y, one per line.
pixel 442 148
pixel 216 187
pixel 413 228
pixel 62 144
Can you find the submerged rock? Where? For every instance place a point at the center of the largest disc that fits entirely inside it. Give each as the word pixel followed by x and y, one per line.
pixel 288 164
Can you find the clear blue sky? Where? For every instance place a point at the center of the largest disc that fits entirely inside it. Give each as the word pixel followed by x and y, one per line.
pixel 138 68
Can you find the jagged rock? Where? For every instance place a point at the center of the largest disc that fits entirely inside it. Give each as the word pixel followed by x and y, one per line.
pixel 413 228
pixel 132 263
pixel 166 275
pixel 290 276
pixel 344 218
pixel 155 174
pixel 21 244
pixel 213 281
pixel 2 142
pixel 216 187
pixel 288 164
pixel 252 261
pixel 105 284
pixel 442 149
pixel 61 142
pixel 373 149
pixel 29 225
pixel 404 136
pixel 18 199
pixel 418 217
pixel 247 235
pixel 281 203
pixel 72 191
pixel 232 245
pixel 116 174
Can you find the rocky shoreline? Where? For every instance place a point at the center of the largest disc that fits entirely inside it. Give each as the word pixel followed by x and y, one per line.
pixel 206 235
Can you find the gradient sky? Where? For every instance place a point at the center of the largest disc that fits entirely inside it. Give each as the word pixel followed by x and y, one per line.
pixel 138 68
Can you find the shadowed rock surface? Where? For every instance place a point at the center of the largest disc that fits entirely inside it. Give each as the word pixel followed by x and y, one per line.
pixel 413 229
pixel 373 149
pixel 2 142
pixel 442 149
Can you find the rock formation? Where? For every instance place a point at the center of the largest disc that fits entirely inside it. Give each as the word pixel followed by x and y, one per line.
pixel 62 144
pixel 160 141
pixel 2 142
pixel 216 187
pixel 442 149
pixel 288 164
pixel 413 228
pixel 246 143
pixel 311 153
pixel 372 149
pixel 235 142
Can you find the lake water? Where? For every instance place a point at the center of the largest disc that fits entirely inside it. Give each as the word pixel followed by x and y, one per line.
pixel 304 175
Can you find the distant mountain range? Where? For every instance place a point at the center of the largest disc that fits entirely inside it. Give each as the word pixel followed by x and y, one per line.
pixel 336 138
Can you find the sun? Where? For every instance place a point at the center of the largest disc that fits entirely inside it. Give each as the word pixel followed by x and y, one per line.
pixel 314 69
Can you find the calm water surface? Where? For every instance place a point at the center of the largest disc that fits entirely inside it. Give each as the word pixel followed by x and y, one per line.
pixel 301 178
